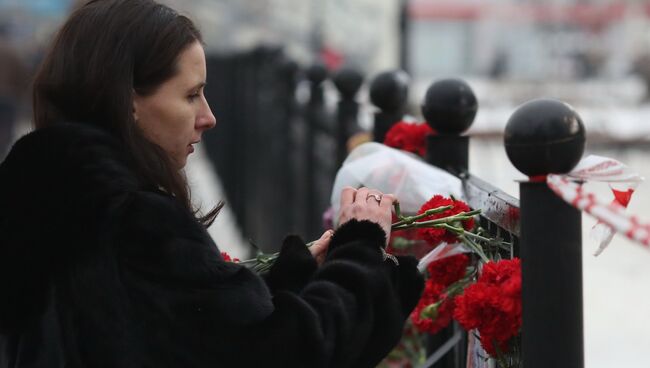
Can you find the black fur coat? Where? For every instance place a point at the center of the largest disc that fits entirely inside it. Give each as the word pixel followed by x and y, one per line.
pixel 97 271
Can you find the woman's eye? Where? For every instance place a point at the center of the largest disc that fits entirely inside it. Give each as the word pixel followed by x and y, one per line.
pixel 193 96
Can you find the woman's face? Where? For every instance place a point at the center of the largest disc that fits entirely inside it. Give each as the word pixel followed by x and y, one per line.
pixel 175 116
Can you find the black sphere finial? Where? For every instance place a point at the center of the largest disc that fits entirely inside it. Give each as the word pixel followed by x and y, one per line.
pixel 317 73
pixel 544 136
pixel 389 90
pixel 348 81
pixel 289 67
pixel 449 106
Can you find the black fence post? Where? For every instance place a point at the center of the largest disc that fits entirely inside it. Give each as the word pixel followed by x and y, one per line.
pixel 288 70
pixel 449 107
pixel 252 94
pixel 541 137
pixel 404 33
pixel 348 82
pixel 389 92
pixel 316 74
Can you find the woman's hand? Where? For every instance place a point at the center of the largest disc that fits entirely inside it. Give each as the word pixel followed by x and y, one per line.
pixel 319 248
pixel 367 204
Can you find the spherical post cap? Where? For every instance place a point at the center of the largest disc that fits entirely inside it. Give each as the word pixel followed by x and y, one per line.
pixel 317 73
pixel 389 90
pixel 289 67
pixel 544 136
pixel 450 106
pixel 348 81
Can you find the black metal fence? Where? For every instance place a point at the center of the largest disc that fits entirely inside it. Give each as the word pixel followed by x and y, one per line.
pixel 252 97
pixel 278 155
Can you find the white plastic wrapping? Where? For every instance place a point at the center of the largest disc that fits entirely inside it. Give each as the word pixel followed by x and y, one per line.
pixel 442 250
pixel 388 170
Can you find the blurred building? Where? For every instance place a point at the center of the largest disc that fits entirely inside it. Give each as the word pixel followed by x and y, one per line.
pixel 31 24
pixel 528 39
pixel 363 33
pixel 590 53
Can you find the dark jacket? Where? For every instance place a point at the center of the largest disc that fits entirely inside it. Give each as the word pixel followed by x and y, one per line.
pixel 98 271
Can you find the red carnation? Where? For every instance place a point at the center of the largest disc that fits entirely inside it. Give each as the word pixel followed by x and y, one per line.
pixel 409 137
pixel 493 305
pixel 442 273
pixel 440 309
pixel 448 270
pixel 226 257
pixel 436 235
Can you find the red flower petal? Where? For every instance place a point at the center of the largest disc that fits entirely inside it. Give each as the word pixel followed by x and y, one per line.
pixel 436 235
pixel 408 137
pixel 493 304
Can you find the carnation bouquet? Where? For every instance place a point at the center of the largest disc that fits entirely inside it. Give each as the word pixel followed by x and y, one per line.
pixel 467 280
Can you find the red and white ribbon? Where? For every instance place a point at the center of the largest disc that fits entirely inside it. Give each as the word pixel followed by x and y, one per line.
pixel 611 216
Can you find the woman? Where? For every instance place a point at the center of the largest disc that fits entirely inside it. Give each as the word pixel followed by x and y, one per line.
pixel 103 262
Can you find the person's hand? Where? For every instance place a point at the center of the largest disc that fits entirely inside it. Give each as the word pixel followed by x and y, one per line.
pixel 367 204
pixel 319 248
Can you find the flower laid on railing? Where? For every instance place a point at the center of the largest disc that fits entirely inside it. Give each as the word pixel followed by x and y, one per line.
pixel 446 277
pixel 492 306
pixel 424 220
pixel 410 137
pixel 482 293
pixel 436 235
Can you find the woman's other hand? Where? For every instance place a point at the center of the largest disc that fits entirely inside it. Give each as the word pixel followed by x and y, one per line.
pixel 319 248
pixel 367 204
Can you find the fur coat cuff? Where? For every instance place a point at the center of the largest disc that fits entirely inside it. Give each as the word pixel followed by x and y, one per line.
pixel 366 232
pixel 293 267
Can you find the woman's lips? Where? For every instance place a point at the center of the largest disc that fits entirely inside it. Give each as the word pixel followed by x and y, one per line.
pixel 190 147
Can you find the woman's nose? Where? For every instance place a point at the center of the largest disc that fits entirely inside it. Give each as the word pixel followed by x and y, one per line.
pixel 206 119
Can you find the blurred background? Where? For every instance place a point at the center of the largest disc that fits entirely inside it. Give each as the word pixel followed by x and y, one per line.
pixel 275 134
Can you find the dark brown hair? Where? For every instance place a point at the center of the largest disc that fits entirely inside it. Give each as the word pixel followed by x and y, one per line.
pixel 106 51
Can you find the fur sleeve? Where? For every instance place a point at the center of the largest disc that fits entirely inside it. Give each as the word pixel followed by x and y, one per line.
pixel 349 313
pixel 293 268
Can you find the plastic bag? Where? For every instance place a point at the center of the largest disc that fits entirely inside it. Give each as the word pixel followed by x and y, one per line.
pixel 388 170
pixel 442 250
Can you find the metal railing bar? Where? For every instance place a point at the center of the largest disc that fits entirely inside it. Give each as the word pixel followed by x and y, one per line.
pixel 498 207
pixel 442 350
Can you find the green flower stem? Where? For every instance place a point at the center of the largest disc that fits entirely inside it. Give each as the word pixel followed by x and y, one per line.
pixel 463 236
pixel 398 210
pixel 263 262
pixel 431 311
pixel 248 261
pixel 476 236
pixel 462 216
pixel 475 247
pixel 458 286
pixel 411 219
